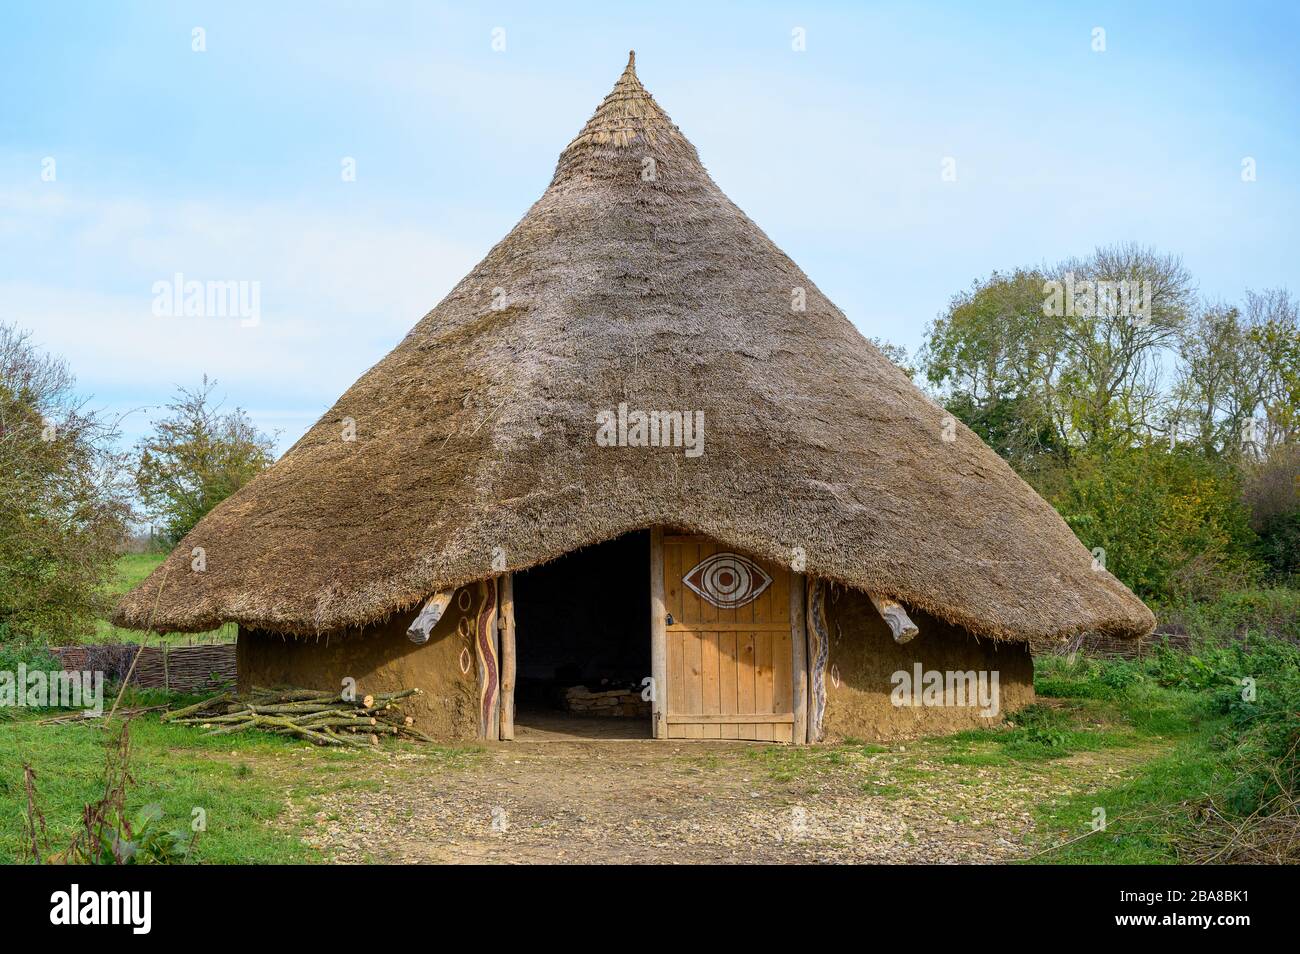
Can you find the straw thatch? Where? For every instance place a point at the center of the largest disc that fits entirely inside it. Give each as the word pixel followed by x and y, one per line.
pixel 637 282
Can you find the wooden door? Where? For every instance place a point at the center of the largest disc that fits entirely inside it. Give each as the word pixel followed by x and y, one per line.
pixel 728 646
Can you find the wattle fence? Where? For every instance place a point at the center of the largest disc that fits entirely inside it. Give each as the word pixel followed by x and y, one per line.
pixel 1112 647
pixel 197 668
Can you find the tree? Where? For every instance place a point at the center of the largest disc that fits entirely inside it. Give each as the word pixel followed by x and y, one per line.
pixel 63 504
pixel 1075 349
pixel 999 360
pixel 196 458
pixel 1221 380
pixel 896 354
pixel 1238 391
pixel 1132 304
pixel 1274 321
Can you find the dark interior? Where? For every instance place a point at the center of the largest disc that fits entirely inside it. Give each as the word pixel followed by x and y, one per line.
pixel 583 619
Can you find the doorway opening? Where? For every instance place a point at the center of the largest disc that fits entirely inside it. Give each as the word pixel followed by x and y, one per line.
pixel 582 625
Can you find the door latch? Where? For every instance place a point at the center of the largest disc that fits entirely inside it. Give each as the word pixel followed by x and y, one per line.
pixel 669 619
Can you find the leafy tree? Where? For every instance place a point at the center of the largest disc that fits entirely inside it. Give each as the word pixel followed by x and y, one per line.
pixel 63 505
pixel 999 362
pixel 1075 349
pixel 195 458
pixel 1238 390
pixel 1112 345
pixel 1220 381
pixel 1274 321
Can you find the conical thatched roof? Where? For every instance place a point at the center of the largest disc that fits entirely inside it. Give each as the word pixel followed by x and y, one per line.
pixel 633 280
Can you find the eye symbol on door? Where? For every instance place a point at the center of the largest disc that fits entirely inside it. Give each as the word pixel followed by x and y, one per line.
pixel 727 580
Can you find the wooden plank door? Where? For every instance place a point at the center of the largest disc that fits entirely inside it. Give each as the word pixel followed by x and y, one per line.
pixel 729 665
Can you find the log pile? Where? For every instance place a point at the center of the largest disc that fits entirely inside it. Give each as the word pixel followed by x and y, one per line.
pixel 580 700
pixel 323 718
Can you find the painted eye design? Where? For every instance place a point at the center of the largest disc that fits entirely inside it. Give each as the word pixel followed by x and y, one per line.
pixel 727 580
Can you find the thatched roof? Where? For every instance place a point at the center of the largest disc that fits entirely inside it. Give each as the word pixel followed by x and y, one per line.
pixel 636 282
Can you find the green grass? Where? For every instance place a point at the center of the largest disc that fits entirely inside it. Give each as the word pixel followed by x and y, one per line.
pixel 172 765
pixel 131 569
pixel 243 782
pixel 1148 742
pixel 1144 814
pixel 1041 733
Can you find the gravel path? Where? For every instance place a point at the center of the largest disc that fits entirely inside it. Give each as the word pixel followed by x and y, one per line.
pixel 645 802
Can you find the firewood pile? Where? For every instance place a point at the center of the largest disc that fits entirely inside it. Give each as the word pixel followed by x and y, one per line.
pixel 320 717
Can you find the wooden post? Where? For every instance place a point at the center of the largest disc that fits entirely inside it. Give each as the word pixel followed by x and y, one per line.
pixel 799 644
pixel 819 644
pixel 487 650
pixel 508 656
pixel 658 637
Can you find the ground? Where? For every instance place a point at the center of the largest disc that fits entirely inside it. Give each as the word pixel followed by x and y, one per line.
pixel 992 795
pixel 723 802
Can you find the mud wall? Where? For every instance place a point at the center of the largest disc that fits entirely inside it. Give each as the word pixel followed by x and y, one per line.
pixel 864 657
pixel 381 659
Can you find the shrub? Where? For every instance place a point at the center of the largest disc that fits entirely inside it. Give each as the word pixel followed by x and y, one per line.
pixel 1279 545
pixel 62 505
pixel 1271 489
pixel 1172 525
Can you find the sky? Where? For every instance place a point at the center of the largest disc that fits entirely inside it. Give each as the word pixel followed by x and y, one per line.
pixel 133 149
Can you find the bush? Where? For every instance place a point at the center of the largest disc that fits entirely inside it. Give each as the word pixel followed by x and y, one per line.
pixel 1271 489
pixel 31 653
pixel 1279 545
pixel 1172 525
pixel 62 504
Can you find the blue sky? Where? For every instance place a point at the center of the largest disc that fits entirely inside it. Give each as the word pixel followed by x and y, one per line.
pixel 225 164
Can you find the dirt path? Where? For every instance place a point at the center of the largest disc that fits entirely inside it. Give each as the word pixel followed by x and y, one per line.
pixel 634 802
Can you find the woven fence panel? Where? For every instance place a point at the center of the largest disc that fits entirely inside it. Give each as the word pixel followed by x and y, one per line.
pixel 176 668
pixel 1112 647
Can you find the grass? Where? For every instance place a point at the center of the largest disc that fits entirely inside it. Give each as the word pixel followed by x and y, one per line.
pixel 244 783
pixel 1212 744
pixel 1141 812
pixel 131 569
pixel 1041 733
pixel 1145 745
pixel 227 778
